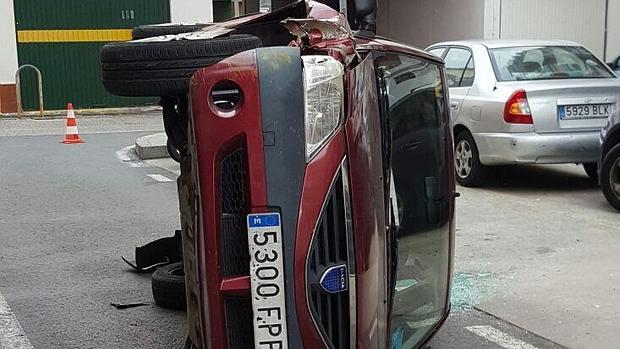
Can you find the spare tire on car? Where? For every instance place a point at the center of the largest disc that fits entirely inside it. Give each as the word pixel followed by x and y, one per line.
pixel 163 68
pixel 151 30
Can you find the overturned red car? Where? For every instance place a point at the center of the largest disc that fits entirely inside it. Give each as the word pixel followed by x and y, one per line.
pixel 317 190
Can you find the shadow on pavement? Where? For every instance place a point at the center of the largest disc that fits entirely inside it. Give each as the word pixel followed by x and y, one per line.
pixel 527 178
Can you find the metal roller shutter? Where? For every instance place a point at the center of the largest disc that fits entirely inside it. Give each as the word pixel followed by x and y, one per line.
pixel 63 38
pixel 577 20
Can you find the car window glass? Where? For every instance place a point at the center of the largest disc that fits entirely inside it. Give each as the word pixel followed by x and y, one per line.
pixel 468 75
pixel 546 62
pixel 457 61
pixel 438 51
pixel 534 57
pixel 569 62
pixel 418 185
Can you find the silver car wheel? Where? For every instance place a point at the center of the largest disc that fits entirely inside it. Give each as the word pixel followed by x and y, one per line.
pixel 614 177
pixel 463 158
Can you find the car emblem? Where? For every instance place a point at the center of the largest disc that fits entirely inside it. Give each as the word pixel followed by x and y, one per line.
pixel 335 279
pixel 588 100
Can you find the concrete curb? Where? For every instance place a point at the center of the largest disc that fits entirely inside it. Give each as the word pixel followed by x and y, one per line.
pixel 152 146
pixel 61 114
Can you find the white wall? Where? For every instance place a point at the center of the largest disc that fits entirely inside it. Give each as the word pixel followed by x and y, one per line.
pixel 190 11
pixel 613 38
pixel 425 22
pixel 582 21
pixel 8 44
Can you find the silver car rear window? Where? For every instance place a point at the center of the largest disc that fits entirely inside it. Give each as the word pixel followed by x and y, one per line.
pixel 546 63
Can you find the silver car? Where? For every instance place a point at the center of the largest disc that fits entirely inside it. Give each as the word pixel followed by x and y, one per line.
pixel 526 102
pixel 615 65
pixel 610 160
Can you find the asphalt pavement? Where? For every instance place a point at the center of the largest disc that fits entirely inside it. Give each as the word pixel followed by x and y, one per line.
pixel 67 214
pixel 536 263
pixel 539 247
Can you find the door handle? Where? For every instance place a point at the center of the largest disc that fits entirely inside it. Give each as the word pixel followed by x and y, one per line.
pixel 454 105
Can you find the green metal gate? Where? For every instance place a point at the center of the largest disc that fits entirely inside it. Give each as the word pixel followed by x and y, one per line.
pixel 63 38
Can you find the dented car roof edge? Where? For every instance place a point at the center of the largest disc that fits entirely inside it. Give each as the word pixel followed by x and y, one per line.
pixel 322 26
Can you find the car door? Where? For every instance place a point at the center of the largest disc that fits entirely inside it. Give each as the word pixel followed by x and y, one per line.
pixel 460 74
pixel 417 148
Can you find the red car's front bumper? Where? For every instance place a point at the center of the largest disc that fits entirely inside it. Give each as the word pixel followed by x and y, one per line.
pixel 251 159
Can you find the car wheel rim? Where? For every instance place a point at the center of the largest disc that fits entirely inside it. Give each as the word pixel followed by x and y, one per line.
pixel 614 178
pixel 463 159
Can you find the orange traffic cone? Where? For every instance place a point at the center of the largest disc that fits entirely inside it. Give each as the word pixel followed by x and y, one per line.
pixel 72 136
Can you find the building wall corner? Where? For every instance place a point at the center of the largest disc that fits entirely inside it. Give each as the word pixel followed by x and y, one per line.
pixel 492 19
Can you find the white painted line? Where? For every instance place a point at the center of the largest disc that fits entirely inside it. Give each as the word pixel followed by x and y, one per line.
pixel 12 335
pixel 129 157
pixel 160 178
pixel 498 337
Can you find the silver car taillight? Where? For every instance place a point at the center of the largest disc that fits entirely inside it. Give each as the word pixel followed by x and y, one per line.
pixel 517 109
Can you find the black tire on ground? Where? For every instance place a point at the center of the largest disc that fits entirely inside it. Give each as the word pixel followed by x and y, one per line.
pixel 476 175
pixel 591 169
pixel 163 68
pixel 610 176
pixel 168 285
pixel 149 31
pixel 174 153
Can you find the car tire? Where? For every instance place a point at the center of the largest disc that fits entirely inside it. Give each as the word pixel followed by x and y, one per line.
pixel 152 30
pixel 174 153
pixel 591 169
pixel 469 170
pixel 175 114
pixel 163 68
pixel 168 286
pixel 610 177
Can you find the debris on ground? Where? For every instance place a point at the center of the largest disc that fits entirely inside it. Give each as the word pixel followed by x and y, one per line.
pixel 128 305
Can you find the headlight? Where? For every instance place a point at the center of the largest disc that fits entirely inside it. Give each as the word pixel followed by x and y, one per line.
pixel 323 77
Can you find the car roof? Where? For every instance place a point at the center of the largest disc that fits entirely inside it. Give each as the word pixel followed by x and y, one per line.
pixel 501 43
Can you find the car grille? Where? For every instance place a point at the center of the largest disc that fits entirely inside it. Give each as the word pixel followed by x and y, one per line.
pixel 239 326
pixel 234 256
pixel 329 249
